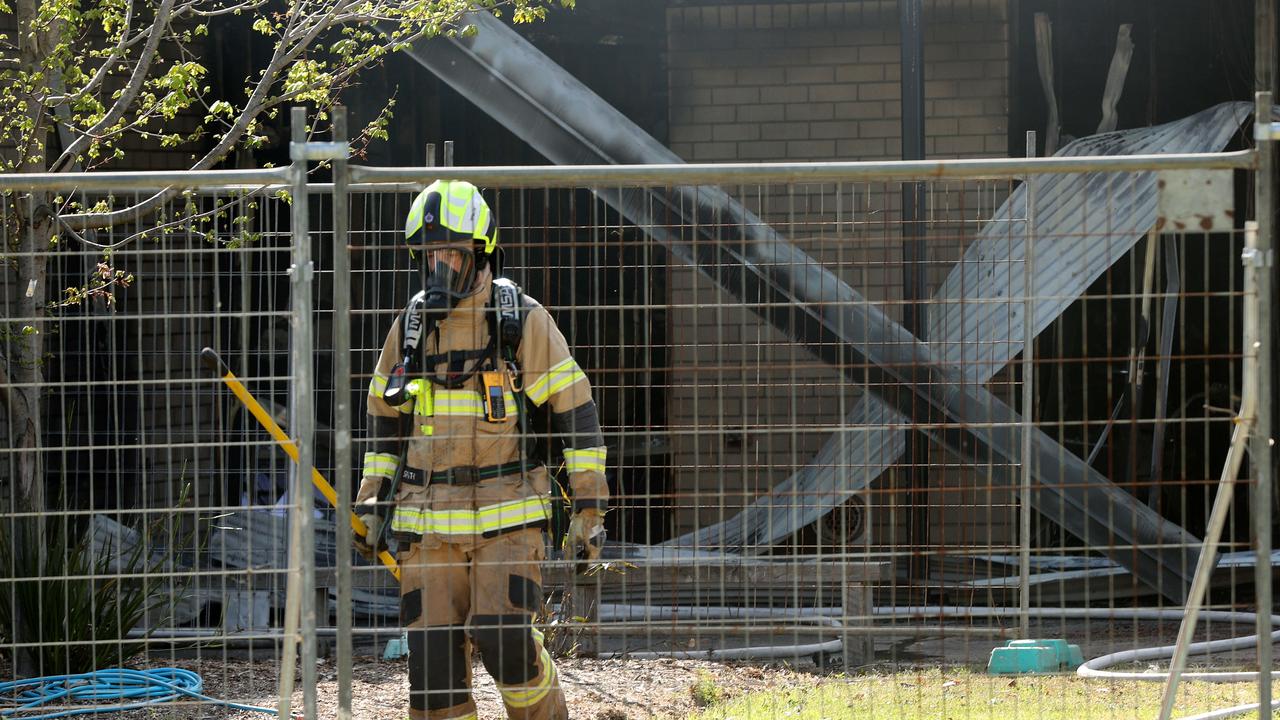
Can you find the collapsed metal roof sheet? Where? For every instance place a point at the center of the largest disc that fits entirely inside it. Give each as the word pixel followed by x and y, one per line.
pixel 1083 225
pixel 254 541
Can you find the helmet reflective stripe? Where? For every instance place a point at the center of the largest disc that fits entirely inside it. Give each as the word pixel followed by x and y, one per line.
pixel 461 209
pixel 460 195
pixel 413 223
pixel 482 229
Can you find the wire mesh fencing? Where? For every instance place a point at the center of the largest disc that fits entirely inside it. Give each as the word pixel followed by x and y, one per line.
pixel 814 463
pixel 851 449
pixel 145 512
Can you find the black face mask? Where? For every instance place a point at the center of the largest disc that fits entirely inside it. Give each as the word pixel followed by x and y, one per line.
pixel 439 299
pixel 445 283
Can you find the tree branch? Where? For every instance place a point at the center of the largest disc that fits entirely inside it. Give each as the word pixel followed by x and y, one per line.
pixel 300 32
pixel 104 69
pixel 232 10
pixel 252 108
pixel 128 95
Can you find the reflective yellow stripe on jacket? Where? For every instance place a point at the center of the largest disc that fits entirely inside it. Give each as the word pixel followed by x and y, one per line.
pixel 560 376
pixel 587 460
pixel 378 384
pixel 466 403
pixel 488 519
pixel 378 464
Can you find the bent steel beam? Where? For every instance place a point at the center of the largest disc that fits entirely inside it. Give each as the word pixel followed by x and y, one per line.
pixel 539 102
pixel 1085 222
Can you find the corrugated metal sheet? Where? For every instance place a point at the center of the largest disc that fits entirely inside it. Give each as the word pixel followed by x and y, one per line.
pixel 1084 224
pixel 240 540
pixel 250 539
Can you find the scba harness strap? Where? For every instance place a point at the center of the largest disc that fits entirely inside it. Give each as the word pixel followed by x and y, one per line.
pixel 505 317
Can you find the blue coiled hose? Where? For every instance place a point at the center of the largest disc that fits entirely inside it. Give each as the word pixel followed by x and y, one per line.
pixel 131 689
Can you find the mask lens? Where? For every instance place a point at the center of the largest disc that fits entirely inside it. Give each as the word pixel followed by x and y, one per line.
pixel 450 269
pixel 450 257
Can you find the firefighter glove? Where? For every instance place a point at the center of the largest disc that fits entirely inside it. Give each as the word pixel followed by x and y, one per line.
pixel 585 537
pixel 369 545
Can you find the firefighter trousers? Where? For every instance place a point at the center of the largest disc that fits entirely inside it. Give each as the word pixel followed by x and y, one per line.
pixel 483 592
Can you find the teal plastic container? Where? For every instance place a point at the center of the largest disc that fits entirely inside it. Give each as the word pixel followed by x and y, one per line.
pixel 1022 657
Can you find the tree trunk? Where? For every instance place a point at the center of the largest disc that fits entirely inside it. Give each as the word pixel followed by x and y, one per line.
pixel 25 353
pixel 25 359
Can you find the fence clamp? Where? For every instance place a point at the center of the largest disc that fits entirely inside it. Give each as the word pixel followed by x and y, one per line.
pixel 308 272
pixel 319 151
pixel 1253 257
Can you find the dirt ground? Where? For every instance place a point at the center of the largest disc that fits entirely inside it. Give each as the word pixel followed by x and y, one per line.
pixel 595 689
pixel 628 689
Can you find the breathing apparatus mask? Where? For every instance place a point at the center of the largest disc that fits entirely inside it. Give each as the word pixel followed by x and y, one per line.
pixel 447 275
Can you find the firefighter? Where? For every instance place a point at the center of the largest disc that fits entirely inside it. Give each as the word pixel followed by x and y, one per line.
pixel 470 509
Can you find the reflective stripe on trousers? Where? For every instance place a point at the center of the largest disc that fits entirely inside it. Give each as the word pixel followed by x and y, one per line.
pixel 488 519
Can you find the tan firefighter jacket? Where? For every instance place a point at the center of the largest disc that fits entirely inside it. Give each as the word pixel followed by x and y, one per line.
pixel 450 441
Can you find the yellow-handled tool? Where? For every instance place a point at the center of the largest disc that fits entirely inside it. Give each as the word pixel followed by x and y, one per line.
pixel 211 360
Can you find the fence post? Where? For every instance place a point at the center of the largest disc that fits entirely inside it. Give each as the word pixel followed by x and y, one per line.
pixel 1028 399
pixel 342 411
pixel 1261 444
pixel 301 406
pixel 857 646
pixel 1244 433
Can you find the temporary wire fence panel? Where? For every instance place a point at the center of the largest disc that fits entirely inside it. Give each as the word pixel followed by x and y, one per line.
pixel 145 510
pixel 814 468
pixel 757 390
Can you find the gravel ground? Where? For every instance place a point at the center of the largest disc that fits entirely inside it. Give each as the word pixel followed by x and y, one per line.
pixel 595 689
pixel 613 689
pixel 603 689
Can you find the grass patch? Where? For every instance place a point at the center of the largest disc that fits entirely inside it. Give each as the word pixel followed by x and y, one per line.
pixel 961 694
pixel 704 690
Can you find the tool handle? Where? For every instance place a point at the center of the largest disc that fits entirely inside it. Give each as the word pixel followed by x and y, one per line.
pixel 209 357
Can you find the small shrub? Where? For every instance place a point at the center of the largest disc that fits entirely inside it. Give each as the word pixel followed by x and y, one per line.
pixel 75 605
pixel 704 690
pixel 560 632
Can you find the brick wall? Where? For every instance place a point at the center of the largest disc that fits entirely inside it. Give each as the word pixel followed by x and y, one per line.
pixel 820 81
pixel 812 82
